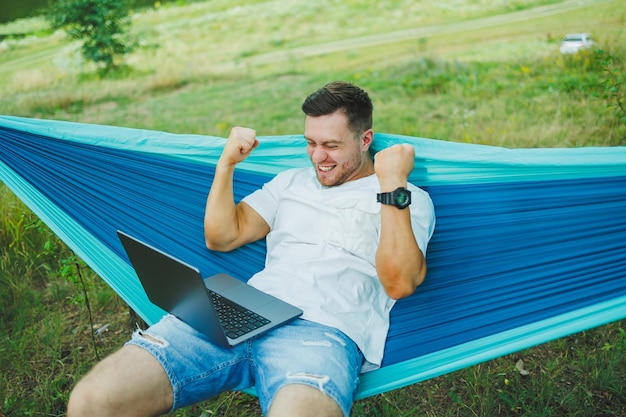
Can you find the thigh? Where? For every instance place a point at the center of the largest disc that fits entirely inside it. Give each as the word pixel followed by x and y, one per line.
pixel 197 369
pixel 310 354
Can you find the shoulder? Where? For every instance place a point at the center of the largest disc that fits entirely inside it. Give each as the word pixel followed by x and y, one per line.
pixel 421 201
pixel 419 193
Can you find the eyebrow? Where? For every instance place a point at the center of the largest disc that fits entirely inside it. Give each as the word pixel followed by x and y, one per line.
pixel 324 142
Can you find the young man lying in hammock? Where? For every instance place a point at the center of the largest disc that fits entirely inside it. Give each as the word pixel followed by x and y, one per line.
pixel 335 249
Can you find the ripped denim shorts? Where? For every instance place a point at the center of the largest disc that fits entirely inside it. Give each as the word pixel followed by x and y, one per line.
pixel 300 352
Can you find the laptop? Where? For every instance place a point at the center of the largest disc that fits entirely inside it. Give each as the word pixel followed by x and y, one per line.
pixel 225 309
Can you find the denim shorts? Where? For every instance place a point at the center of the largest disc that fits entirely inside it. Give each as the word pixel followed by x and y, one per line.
pixel 299 352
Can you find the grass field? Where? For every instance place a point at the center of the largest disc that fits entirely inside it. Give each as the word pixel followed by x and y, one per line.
pixel 471 71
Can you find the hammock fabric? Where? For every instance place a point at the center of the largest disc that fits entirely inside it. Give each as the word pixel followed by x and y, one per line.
pixel 530 244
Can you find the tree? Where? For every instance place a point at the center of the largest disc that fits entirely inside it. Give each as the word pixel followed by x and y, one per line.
pixel 102 25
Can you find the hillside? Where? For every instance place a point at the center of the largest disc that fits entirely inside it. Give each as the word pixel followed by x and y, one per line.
pixel 474 71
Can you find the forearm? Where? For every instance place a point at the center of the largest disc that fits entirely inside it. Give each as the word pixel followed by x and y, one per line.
pixel 400 263
pixel 220 217
pixel 227 225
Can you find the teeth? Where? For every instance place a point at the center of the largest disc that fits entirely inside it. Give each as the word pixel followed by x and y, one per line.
pixel 325 169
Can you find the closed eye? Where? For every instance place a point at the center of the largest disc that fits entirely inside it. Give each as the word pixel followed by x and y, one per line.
pixel 326 145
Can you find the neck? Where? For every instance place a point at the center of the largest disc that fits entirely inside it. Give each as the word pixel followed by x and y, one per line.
pixel 367 167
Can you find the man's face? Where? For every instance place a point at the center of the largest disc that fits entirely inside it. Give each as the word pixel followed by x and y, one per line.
pixel 335 153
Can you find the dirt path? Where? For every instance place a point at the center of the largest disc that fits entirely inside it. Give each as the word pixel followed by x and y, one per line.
pixel 418 33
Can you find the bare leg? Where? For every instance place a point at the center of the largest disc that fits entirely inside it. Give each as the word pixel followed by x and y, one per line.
pixel 298 400
pixel 130 382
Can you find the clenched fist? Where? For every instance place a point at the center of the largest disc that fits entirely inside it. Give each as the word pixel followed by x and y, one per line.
pixel 393 165
pixel 241 142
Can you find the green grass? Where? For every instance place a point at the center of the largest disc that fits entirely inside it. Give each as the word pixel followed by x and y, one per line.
pixel 473 71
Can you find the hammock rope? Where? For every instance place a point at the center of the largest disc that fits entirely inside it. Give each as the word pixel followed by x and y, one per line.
pixel 530 243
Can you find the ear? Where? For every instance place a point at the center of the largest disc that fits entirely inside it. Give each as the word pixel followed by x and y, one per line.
pixel 367 138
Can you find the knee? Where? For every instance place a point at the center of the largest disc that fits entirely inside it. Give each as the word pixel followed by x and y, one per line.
pixel 93 395
pixel 91 398
pixel 304 401
pixel 83 401
pixel 130 382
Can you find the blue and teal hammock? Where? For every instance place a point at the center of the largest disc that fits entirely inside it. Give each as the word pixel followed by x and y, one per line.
pixel 530 244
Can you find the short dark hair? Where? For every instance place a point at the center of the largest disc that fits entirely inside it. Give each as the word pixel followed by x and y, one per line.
pixel 341 95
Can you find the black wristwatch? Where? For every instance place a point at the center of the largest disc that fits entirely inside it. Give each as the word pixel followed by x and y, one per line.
pixel 400 197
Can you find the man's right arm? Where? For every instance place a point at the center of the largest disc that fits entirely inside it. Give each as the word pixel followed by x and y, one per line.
pixel 227 225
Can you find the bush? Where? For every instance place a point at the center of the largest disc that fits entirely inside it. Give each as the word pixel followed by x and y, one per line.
pixel 102 25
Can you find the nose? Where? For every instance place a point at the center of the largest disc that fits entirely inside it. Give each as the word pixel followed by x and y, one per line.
pixel 318 155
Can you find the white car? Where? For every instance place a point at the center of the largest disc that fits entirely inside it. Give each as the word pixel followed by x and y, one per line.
pixel 574 42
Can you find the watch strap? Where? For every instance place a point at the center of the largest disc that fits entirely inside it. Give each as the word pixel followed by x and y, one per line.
pixel 384 198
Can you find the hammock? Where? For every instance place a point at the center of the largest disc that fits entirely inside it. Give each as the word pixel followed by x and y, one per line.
pixel 530 244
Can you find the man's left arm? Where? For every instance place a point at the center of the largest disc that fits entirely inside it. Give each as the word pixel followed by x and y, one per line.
pixel 400 262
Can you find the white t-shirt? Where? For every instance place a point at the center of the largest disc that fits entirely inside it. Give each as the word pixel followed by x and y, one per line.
pixel 321 252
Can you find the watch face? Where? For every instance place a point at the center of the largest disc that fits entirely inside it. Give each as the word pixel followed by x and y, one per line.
pixel 403 199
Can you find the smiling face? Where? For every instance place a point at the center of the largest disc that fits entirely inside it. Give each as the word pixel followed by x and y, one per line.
pixel 337 155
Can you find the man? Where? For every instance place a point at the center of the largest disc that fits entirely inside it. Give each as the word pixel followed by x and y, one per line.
pixel 345 239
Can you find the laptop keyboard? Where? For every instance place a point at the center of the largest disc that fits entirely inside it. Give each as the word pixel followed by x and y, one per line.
pixel 236 320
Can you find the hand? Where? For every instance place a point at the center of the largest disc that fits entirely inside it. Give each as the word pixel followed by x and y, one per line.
pixel 393 166
pixel 241 142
